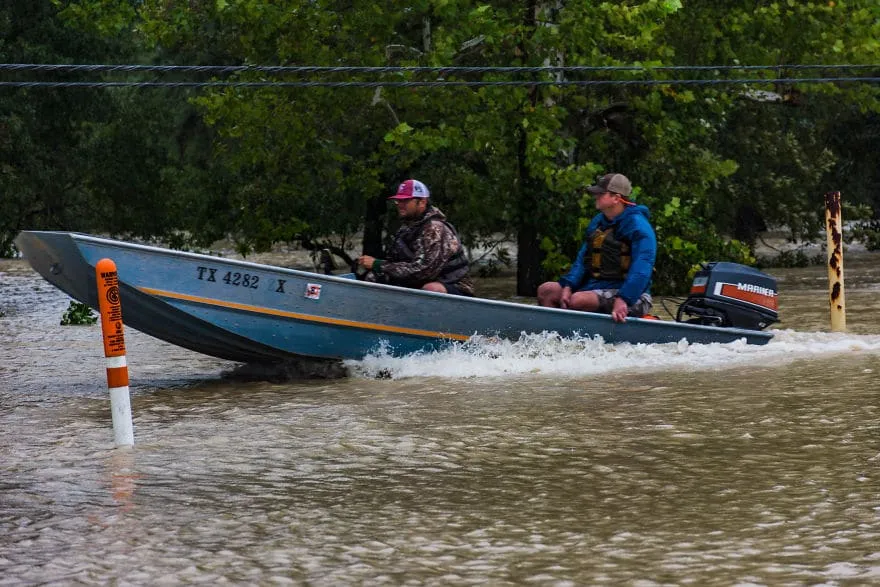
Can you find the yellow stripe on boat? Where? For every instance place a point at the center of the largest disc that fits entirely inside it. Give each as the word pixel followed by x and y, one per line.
pixel 303 317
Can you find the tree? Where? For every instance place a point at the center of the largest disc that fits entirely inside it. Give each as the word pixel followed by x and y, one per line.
pixel 42 129
pixel 499 158
pixel 89 159
pixel 783 138
pixel 528 136
pixel 308 164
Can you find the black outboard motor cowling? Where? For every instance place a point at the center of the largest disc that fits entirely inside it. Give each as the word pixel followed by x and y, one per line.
pixel 729 294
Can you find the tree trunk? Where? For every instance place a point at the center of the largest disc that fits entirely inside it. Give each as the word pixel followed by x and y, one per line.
pixel 528 261
pixel 528 257
pixel 373 221
pixel 529 254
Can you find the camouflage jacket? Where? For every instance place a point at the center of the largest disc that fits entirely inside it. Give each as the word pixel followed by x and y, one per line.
pixel 427 249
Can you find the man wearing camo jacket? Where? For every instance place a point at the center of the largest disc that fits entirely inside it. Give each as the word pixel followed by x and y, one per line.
pixel 427 253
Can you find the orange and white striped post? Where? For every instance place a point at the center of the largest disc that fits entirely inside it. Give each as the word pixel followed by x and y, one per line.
pixel 114 351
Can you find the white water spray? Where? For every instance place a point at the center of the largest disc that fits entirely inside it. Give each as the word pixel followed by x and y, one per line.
pixel 551 355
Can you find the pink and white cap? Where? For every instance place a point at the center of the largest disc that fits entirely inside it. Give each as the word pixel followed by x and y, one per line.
pixel 411 188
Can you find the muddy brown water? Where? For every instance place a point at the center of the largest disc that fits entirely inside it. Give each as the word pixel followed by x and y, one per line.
pixel 542 462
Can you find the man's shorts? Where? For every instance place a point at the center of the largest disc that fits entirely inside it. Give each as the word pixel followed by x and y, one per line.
pixel 606 302
pixel 452 288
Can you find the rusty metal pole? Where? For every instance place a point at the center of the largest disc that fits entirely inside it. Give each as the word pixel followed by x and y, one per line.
pixel 834 229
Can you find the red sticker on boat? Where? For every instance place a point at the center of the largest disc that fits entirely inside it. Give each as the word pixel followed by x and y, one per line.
pixel 313 291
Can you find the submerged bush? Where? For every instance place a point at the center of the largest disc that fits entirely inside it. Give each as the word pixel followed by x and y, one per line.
pixel 78 314
pixel 791 258
pixel 868 233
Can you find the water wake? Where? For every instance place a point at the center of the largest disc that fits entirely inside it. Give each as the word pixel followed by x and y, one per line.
pixel 552 355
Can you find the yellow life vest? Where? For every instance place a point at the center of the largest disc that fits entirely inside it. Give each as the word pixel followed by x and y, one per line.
pixel 609 257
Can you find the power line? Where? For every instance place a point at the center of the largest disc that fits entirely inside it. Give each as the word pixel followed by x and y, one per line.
pixel 219 70
pixel 228 69
pixel 413 84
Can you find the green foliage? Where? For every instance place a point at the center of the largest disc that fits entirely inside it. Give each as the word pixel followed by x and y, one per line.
pixel 796 257
pixel 867 233
pixel 788 142
pixel 99 19
pixel 715 164
pixel 555 261
pixel 7 248
pixel 683 245
pixel 492 265
pixel 294 164
pixel 496 159
pixel 853 136
pixel 83 159
pixel 78 314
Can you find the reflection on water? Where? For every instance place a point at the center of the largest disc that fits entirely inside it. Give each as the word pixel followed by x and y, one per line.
pixel 559 463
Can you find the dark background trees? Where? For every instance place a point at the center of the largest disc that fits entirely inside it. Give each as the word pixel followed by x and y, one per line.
pixel 717 164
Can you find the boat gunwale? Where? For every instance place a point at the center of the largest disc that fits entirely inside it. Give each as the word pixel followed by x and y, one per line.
pixel 440 297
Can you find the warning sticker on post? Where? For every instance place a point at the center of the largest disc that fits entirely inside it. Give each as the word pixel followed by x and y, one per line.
pixel 110 308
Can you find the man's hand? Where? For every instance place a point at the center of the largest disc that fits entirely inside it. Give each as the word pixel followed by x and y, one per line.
pixel 366 261
pixel 565 299
pixel 620 310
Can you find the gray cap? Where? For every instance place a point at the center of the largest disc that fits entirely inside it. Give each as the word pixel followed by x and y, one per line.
pixel 612 182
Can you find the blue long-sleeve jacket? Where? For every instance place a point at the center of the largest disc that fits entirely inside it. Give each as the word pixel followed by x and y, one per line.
pixel 632 224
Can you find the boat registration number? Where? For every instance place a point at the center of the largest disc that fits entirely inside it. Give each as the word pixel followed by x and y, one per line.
pixel 234 278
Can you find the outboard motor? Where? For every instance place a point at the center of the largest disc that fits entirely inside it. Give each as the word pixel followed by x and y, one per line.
pixel 729 294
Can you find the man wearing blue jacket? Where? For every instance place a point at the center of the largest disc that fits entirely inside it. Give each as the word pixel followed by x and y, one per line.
pixel 612 271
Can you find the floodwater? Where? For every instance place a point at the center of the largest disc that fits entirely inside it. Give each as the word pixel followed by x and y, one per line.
pixel 539 462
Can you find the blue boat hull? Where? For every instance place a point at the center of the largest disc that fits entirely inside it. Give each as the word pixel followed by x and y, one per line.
pixel 251 312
